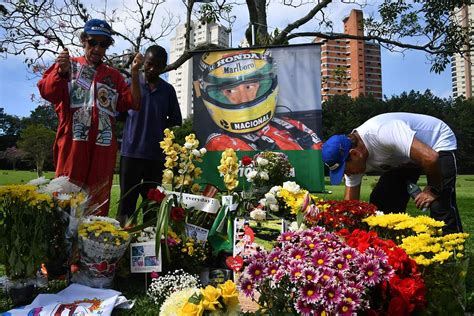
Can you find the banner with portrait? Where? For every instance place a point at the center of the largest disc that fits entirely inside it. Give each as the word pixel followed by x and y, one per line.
pixel 257 99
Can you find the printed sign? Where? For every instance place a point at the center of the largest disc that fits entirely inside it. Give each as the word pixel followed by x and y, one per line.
pixel 143 258
pixel 249 236
pixel 199 202
pixel 255 99
pixel 196 232
pixel 85 77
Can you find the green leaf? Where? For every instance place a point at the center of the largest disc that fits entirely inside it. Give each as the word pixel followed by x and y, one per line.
pixel 195 298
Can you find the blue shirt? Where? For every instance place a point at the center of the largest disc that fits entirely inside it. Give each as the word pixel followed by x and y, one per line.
pixel 143 130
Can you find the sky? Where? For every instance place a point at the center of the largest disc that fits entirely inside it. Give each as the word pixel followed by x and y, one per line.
pixel 400 72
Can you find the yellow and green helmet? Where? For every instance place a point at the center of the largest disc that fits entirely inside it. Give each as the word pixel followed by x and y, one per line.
pixel 230 69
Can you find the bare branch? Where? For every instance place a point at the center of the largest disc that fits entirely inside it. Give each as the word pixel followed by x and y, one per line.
pixel 290 27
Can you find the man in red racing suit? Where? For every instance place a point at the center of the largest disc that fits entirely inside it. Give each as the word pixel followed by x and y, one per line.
pixel 281 133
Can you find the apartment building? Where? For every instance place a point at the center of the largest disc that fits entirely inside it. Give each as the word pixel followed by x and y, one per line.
pixel 462 69
pixel 182 77
pixel 349 66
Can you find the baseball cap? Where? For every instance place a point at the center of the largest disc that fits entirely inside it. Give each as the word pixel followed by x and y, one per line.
pixel 335 152
pixel 98 27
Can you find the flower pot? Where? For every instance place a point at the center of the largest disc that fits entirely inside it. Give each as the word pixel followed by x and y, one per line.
pixel 21 293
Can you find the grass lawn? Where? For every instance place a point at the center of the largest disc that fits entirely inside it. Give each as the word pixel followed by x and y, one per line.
pixel 465 200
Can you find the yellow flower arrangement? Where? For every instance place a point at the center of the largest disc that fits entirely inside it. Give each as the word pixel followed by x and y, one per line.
pixel 27 195
pixel 180 170
pixel 220 300
pixel 26 232
pixel 293 200
pixel 286 200
pixel 103 231
pixel 426 249
pixel 228 168
pixel 406 223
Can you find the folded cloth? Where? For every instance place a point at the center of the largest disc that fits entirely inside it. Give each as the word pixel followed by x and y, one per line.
pixel 76 299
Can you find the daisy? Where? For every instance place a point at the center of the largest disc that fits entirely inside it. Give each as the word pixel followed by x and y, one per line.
pixel 371 273
pixel 63 197
pixel 256 271
pixel 310 274
pixel 303 308
pixel 246 286
pixel 297 254
pixel 310 293
pixel 320 259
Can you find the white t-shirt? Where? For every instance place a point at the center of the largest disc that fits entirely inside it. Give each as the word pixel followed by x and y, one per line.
pixel 388 138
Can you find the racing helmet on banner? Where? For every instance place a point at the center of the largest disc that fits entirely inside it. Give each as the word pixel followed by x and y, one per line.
pixel 239 89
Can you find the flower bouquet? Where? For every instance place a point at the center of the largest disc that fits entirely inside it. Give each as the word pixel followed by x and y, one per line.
pixel 70 205
pixel 335 215
pixel 269 169
pixel 289 201
pixel 101 244
pixel 220 300
pixel 162 286
pixel 313 272
pixel 405 292
pixel 180 169
pixel 444 265
pixel 445 269
pixel 187 253
pixel 25 233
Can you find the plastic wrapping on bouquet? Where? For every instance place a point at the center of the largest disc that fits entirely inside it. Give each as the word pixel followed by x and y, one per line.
pixel 98 263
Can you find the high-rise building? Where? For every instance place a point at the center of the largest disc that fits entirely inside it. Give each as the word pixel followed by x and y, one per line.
pixel 182 77
pixel 462 68
pixel 349 66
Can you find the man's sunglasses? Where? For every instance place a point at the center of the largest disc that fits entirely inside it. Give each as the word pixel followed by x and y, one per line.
pixel 93 43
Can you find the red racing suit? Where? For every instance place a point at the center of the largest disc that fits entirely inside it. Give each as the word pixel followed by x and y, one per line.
pixel 85 146
pixel 281 133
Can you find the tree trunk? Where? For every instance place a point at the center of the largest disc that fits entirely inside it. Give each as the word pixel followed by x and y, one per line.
pixel 39 166
pixel 258 18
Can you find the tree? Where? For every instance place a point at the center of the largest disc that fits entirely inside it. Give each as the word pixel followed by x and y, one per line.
pixel 45 115
pixel 37 141
pixel 46 26
pixel 9 124
pixel 13 154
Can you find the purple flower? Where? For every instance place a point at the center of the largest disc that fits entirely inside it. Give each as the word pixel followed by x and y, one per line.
pixel 340 264
pixel 326 276
pixel 332 294
pixel 275 255
pixel 256 271
pixel 271 269
pixel 297 254
pixel 320 259
pixel 310 293
pixel 287 237
pixel 349 254
pixel 303 308
pixel 296 272
pixel 371 273
pixel 246 286
pixel 310 274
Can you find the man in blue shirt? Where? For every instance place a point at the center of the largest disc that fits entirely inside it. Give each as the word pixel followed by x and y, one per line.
pixel 142 159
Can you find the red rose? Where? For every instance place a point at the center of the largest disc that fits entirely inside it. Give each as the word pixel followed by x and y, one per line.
pixel 156 195
pixel 246 160
pixel 397 307
pixel 177 214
